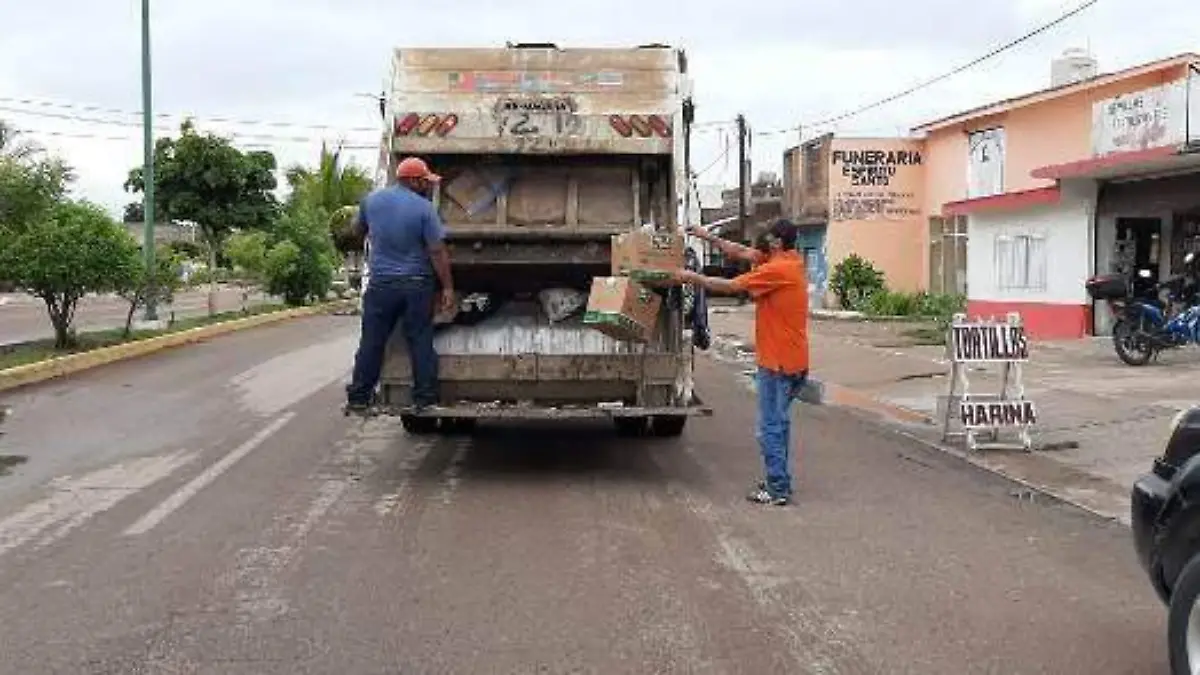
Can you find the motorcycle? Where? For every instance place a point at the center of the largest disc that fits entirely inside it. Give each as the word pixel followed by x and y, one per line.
pixel 1150 317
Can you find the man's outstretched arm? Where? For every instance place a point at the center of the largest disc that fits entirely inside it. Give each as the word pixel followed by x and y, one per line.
pixel 729 248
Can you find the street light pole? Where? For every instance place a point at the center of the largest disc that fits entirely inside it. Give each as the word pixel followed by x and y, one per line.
pixel 148 166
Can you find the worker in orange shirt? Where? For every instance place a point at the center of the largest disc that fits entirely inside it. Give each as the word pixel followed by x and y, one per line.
pixel 778 285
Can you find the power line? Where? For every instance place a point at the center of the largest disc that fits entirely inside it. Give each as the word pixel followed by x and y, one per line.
pixel 133 113
pixel 261 138
pixel 940 78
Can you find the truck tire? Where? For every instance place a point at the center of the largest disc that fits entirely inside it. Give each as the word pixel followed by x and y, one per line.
pixel 419 426
pixel 668 426
pixel 457 425
pixel 1183 620
pixel 631 427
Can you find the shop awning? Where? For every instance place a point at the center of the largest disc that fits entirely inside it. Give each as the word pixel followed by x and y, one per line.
pixel 1132 164
pixel 1003 202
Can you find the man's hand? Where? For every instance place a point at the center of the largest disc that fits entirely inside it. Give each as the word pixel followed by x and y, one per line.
pixel 699 232
pixel 447 301
pixel 683 276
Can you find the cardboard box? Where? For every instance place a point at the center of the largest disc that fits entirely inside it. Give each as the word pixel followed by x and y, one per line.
pixel 622 309
pixel 645 255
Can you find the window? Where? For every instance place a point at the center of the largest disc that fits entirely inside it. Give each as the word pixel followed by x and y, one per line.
pixel 985 163
pixel 1021 262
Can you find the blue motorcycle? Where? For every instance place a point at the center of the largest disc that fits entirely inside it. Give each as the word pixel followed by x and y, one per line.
pixel 1151 317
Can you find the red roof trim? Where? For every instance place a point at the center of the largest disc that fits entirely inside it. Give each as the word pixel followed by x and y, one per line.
pixel 1003 202
pixel 1085 166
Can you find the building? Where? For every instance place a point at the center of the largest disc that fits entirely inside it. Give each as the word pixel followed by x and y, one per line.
pixel 1017 202
pixel 1089 176
pixel 863 196
pixel 164 233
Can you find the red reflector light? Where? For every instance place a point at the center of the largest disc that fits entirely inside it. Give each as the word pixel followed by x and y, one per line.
pixel 660 126
pixel 620 126
pixel 447 125
pixel 427 125
pixel 640 125
pixel 406 124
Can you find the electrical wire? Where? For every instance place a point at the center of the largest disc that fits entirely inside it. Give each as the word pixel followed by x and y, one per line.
pixel 233 136
pixel 940 78
pixel 166 115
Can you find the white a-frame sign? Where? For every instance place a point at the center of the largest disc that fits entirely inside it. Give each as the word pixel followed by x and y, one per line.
pixel 1002 419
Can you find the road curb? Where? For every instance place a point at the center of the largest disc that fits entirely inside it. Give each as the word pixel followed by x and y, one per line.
pixel 63 366
pixel 896 417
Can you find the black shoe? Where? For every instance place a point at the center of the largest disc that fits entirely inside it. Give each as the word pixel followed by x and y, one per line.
pixel 761 495
pixel 357 409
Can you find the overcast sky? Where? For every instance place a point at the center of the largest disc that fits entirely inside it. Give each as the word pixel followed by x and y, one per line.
pixel 781 62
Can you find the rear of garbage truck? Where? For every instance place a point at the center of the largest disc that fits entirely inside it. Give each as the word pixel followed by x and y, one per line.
pixel 545 155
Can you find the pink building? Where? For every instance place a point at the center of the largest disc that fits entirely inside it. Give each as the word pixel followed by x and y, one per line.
pixel 1094 176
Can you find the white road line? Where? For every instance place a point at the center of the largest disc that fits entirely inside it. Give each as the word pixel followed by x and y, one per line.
pixel 75 500
pixel 181 496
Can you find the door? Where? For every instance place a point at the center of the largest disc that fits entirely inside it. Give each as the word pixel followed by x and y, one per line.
pixel 1138 246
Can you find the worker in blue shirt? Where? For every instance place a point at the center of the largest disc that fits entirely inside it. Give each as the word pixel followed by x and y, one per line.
pixel 407 261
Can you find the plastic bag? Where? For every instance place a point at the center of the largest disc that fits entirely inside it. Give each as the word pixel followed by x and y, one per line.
pixel 560 303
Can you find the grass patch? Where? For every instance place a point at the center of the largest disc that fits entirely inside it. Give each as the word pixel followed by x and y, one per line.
pixel 931 335
pixel 25 353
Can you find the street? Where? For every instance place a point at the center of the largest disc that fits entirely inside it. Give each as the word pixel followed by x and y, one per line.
pixel 23 318
pixel 209 510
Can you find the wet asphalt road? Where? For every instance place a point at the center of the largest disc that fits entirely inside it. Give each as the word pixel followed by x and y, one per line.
pixel 23 318
pixel 208 510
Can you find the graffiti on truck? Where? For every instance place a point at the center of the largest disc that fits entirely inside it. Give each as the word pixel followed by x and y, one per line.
pixel 537 116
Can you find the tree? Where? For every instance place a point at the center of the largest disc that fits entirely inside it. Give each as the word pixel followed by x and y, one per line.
pixel 203 179
pixel 29 188
pixel 134 213
pixel 335 188
pixel 161 286
pixel 14 146
pixel 248 253
pixel 77 249
pixel 299 263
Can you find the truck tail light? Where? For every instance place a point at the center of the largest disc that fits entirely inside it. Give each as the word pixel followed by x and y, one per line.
pixel 427 124
pixel 640 125
pixel 660 126
pixel 405 125
pixel 446 125
pixel 620 126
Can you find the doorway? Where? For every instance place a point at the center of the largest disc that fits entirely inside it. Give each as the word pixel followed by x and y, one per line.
pixel 1138 246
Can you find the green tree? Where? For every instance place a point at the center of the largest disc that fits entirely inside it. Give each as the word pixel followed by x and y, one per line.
pixel 203 179
pixel 247 251
pixel 335 188
pixel 161 286
pixel 14 145
pixel 300 261
pixel 75 250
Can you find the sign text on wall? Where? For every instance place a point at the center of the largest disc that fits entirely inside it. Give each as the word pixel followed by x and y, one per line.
pixel 871 184
pixel 1141 120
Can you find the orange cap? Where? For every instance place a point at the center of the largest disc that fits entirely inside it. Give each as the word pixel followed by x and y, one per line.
pixel 414 167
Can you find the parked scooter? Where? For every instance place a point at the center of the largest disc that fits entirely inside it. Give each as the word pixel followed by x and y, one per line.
pixel 1151 317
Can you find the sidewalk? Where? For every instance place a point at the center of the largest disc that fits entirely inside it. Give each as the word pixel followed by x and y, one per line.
pixel 1101 422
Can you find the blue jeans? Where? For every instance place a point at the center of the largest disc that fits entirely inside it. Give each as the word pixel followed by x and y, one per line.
pixel 776 391
pixel 386 302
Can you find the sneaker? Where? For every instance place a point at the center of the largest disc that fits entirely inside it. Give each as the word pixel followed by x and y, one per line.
pixel 357 409
pixel 761 496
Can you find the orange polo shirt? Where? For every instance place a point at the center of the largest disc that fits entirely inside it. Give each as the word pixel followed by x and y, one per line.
pixel 779 287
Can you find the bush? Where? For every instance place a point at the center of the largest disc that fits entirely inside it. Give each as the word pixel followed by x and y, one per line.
pixel 854 281
pixel 299 266
pixel 922 305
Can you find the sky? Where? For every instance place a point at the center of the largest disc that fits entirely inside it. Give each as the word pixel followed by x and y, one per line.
pixel 295 72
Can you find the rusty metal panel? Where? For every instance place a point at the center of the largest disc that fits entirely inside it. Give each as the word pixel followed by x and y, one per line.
pixel 538 197
pixel 605 196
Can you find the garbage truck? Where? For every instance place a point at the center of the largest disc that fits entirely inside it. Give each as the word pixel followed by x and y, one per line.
pixel 546 154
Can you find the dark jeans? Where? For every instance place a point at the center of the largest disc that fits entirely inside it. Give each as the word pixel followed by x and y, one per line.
pixel 409 301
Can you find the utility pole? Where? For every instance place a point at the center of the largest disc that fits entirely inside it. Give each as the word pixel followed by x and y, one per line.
pixel 741 129
pixel 148 166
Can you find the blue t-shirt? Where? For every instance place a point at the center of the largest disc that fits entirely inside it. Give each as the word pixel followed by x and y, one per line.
pixel 401 225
